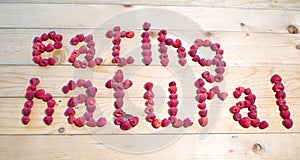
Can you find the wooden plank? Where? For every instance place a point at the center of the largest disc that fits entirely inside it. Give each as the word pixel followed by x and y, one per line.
pixel 15 46
pixel 220 119
pixel 224 146
pixel 266 4
pixel 14 79
pixel 220 19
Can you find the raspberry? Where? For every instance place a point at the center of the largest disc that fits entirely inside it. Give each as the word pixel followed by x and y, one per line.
pixel 118 113
pixel 26 111
pixel 34 81
pixel 235 109
pixel 110 83
pixel 44 37
pixel 51 35
pixel 51 103
pixel 283 108
pixel 127 84
pixel 251 97
pixel 240 89
pixel 263 125
pixel 287 123
pixel 187 122
pixel 49 111
pixel 148 85
pixel 90 101
pixel 80 37
pixel 247 91
pixel 109 34
pixel 50 47
pixel 150 117
pixel 25 120
pixel 88 115
pixel 118 120
pixel 65 89
pixel 173 96
pixel 173 103
pixel 57 45
pixel 91 108
pixel 28 104
pixel 285 114
pixel 173 111
pixel 252 108
pixel 30 95
pixel 91 91
pixel 245 122
pixel 237 116
pixel 177 123
pixel 71 120
pixel 134 121
pixel 237 94
pixel 119 94
pixel 278 87
pixel 84 64
pixel 146 26
pixel 207 43
pixel 91 123
pixel 203 121
pixel 101 122
pixel 276 78
pixel 148 94
pixel 92 64
pixel 70 112
pixel 88 38
pixel 177 43
pixel 172 84
pixel 88 84
pixel 280 95
pixel 130 60
pixel 119 76
pixel 201 97
pixel 202 105
pixel 210 95
pixel 280 102
pixel 119 103
pixel 130 34
pixel 255 122
pixel 223 95
pixel 39 93
pixel 72 102
pixel 252 114
pixel 165 122
pixel 149 109
pixel 201 90
pixel 125 125
pixel 91 44
pixel 79 122
pixel 203 113
pixel 48 120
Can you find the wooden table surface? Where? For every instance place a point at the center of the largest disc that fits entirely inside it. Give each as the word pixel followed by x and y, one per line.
pixel 257 45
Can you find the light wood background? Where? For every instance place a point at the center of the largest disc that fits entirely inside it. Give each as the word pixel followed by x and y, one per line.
pixel 253 52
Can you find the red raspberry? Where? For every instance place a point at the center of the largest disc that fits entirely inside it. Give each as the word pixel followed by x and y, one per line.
pixel 91 91
pixel 252 114
pixel 48 120
pixel 201 97
pixel 203 113
pixel 47 97
pixel 57 45
pixel 43 62
pixel 276 78
pixel 65 89
pixel 283 108
pixel 173 96
pixel 130 60
pixel 210 95
pixel 207 43
pixel 148 85
pixel 245 122
pixel 119 94
pixel 44 37
pixel 177 123
pixel 149 109
pixel 72 102
pixel 28 104
pixel 119 103
pixel 172 84
pixel 130 34
pixel 146 26
pixel 51 61
pixel 90 101
pixel 237 94
pixel 150 117
pixel 241 89
pixel 88 115
pixel 235 109
pixel 49 111
pixel 118 113
pixel 255 122
pixel 109 34
pixel 118 120
pixel 71 120
pixel 148 95
pixel 134 121
pixel 125 125
pixel 74 41
pixel 79 122
pixel 37 59
pixel 247 91
pixel 237 117
pixel 252 108
pixel 88 38
pixel 187 123
pixel 173 103
pixel 280 102
pixel 26 111
pixel 165 122
pixel 251 97
pixel 92 64
pixel 177 43
pixel 25 120
pixel 51 103
pixel 39 93
pixel 88 84
pixel 173 111
pixel 278 87
pixel 287 123
pixel 101 122
pixel 34 81
pixel 51 35
pixel 70 112
pixel 50 47
pixel 263 125
pixel 285 114
pixel 30 95
pixel 91 108
pixel 80 37
pixel 202 105
pixel 203 121
pixel 215 89
pixel 280 95
pixel 223 95
pixel 91 123
pixel 201 90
